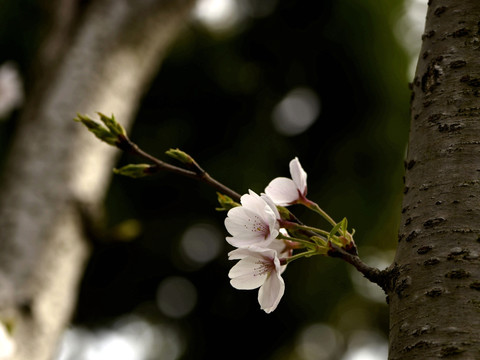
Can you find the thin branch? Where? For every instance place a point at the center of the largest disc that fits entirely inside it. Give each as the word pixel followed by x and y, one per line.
pixel 373 274
pixel 379 277
pixel 201 175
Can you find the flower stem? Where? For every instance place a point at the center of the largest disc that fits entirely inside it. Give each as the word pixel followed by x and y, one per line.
pixel 307 243
pixel 315 230
pixel 314 206
pixel 300 255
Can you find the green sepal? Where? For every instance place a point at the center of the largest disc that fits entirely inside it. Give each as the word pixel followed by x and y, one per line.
pixel 226 202
pixel 299 233
pixel 335 229
pixel 285 214
pixel 135 170
pixel 344 226
pixel 318 240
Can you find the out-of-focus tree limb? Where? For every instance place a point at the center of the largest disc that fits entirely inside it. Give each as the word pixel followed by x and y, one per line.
pixel 54 164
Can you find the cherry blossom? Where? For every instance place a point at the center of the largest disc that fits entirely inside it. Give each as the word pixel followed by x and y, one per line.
pixel 259 267
pixel 284 191
pixel 253 223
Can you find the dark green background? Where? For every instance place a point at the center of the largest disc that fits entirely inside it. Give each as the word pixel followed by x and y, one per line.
pixel 213 98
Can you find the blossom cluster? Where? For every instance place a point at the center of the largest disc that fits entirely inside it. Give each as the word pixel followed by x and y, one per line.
pixel 266 235
pixel 261 236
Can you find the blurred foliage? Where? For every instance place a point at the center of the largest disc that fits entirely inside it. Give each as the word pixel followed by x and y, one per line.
pixel 213 98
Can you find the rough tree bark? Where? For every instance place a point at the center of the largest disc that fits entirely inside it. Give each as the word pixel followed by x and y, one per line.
pixel 435 297
pixel 54 164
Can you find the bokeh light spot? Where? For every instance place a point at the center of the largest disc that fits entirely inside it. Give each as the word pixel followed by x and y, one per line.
pixel 366 345
pixel 176 296
pixel 218 15
pixel 296 112
pixel 130 338
pixel 318 342
pixel 409 28
pixel 201 243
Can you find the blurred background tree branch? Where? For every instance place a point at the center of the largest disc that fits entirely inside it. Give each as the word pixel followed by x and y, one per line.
pixel 101 59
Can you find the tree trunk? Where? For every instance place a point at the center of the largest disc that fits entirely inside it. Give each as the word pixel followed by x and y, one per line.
pixel 435 297
pixel 54 164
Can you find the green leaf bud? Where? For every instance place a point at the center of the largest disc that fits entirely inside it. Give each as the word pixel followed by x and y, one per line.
pixel 98 130
pixel 226 202
pixel 112 124
pixel 180 155
pixel 135 170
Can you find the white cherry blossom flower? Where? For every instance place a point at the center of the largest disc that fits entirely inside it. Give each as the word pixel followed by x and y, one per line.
pixel 284 191
pixel 253 223
pixel 259 267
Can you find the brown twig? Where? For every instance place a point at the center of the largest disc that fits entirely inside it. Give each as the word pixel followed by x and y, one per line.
pixel 127 145
pixel 379 277
pixel 373 274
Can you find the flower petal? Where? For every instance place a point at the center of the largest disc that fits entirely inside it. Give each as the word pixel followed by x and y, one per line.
pixel 253 202
pixel 248 227
pixel 236 220
pixel 258 252
pixel 282 191
pixel 259 205
pixel 245 275
pixel 282 250
pixel 238 254
pixel 253 223
pixel 271 205
pixel 299 176
pixel 243 221
pixel 279 246
pixel 246 242
pixel 271 292
pixel 258 267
